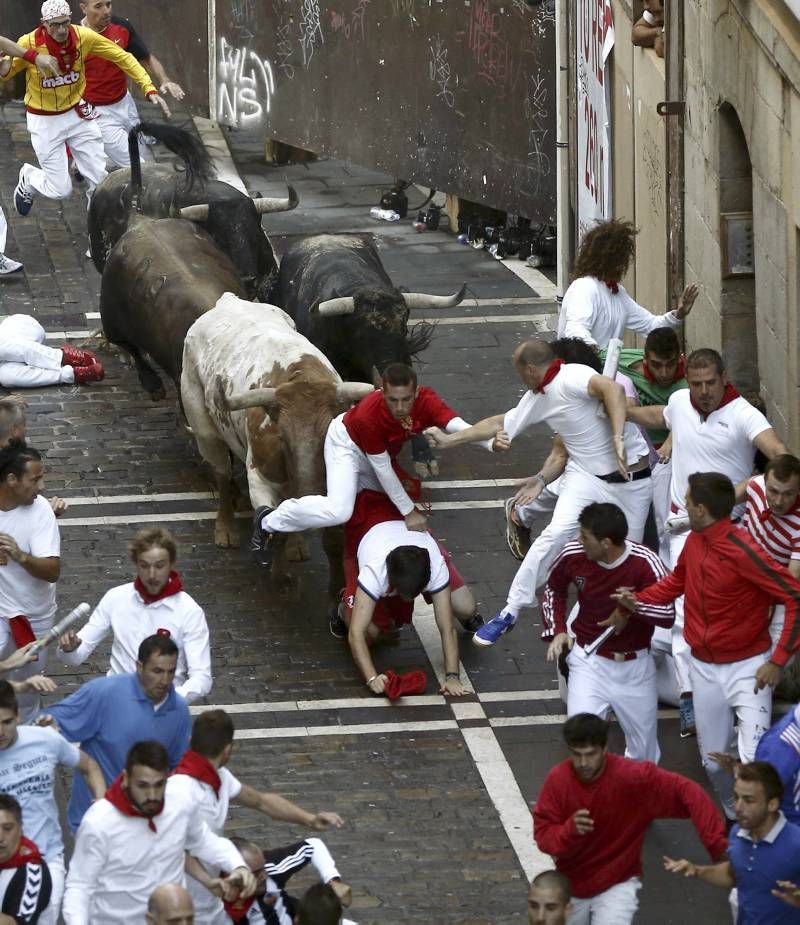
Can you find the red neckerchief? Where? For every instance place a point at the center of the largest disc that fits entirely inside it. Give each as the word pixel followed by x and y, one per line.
pixel 200 768
pixel 680 372
pixel 238 910
pixel 66 54
pixel 614 287
pixel 550 374
pixel 173 586
pixel 26 853
pixel 120 800
pixel 729 395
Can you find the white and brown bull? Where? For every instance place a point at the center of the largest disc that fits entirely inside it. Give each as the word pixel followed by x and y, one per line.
pixel 252 386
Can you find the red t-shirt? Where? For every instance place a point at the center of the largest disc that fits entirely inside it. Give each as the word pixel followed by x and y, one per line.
pixel 373 429
pixel 105 82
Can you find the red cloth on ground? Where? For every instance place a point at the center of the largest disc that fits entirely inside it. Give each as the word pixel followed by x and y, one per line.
pixel 173 586
pixel 622 801
pixel 120 800
pixel 399 685
pixel 26 853
pixel 200 768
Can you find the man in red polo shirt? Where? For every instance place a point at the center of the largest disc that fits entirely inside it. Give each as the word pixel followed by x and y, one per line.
pixel 107 86
pixel 361 449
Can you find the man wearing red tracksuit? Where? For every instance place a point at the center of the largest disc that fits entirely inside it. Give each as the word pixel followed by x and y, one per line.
pixel 730 585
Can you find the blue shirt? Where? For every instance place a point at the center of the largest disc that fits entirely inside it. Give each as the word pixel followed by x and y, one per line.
pixel 780 746
pixel 27 769
pixel 758 866
pixel 108 716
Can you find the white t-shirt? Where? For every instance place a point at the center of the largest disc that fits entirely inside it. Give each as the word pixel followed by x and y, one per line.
pixel 591 311
pixel 376 546
pixel 35 530
pixel 566 406
pixel 723 442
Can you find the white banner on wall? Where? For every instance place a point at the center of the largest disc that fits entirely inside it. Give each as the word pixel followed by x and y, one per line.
pixel 595 39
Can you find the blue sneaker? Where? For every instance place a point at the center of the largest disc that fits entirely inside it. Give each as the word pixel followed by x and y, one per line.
pixel 490 632
pixel 23 197
pixel 686 709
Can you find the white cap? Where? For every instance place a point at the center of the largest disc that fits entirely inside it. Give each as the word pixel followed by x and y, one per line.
pixel 54 8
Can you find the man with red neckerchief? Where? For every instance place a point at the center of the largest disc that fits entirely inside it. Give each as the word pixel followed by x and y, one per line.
pixel 154 602
pixel 714 429
pixel 57 114
pixel 136 838
pixel 25 884
pixel 203 780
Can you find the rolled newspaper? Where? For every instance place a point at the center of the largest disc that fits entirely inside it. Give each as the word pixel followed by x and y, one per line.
pixel 595 644
pixel 58 629
pixel 610 366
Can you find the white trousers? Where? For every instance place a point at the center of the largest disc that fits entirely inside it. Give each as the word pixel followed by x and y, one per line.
pixel 49 137
pixel 25 361
pixel 598 685
pixel 115 121
pixel 720 693
pixel 544 504
pixel 577 490
pixel 3 231
pixel 615 906
pixel 662 482
pixel 671 641
pixel 57 875
pixel 347 471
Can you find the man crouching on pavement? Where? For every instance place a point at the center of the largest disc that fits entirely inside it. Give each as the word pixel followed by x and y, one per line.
pixel 386 567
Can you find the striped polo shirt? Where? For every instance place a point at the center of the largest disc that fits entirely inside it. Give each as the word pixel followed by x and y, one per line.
pixel 777 534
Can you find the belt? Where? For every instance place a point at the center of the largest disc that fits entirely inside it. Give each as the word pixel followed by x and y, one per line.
pixel 624 656
pixel 617 478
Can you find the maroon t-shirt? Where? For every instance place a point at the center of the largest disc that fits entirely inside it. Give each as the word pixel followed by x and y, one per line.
pixel 373 429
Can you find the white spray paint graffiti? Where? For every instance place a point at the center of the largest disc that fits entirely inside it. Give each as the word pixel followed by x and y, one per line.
pixel 246 85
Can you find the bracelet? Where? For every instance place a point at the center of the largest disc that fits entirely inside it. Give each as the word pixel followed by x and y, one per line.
pixel 30 56
pixel 451 675
pixel 540 478
pixel 370 680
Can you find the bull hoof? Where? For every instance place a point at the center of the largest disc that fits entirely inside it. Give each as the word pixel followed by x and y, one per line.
pixel 297 550
pixel 226 536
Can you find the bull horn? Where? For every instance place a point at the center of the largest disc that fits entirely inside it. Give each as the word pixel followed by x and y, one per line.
pixel 265 204
pixel 343 306
pixel 254 398
pixel 197 213
pixel 422 300
pixel 353 391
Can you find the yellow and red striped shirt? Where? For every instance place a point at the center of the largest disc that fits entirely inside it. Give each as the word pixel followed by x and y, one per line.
pixel 59 94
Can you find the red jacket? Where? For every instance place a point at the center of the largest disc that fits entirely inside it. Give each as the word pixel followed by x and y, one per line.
pixel 730 584
pixel 622 801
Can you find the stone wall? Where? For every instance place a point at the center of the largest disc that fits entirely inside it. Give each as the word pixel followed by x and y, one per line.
pixel 743 68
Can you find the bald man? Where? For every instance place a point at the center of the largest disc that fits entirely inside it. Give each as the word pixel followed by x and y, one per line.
pixel 549 899
pixel 169 904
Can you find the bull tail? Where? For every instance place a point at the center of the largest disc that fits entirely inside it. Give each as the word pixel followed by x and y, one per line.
pixel 192 152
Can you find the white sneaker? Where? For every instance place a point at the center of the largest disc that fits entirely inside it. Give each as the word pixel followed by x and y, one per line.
pixel 7 265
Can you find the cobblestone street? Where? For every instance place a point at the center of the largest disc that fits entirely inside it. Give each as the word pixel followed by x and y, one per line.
pixel 435 794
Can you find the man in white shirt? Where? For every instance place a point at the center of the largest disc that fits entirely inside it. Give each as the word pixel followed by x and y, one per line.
pixel 154 603
pixel 30 563
pixel 595 306
pixel 713 429
pixel 135 839
pixel 202 780
pixel 608 460
pixel 29 756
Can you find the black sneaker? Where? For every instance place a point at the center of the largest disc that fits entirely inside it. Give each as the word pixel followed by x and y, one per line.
pixel 336 623
pixel 261 540
pixel 472 625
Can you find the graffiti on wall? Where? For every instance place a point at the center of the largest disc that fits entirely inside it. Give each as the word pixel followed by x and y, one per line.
pixel 245 85
pixel 310 29
pixel 439 71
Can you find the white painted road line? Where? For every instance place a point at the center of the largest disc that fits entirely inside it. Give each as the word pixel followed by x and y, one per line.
pixel 434 725
pixel 511 696
pixel 344 703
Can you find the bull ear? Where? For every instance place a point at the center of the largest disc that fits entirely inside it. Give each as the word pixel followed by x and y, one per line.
pixel 353 391
pixel 343 306
pixel 254 398
pixel 265 204
pixel 423 300
pixel 197 213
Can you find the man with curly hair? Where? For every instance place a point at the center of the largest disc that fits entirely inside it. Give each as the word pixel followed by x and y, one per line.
pixel 596 307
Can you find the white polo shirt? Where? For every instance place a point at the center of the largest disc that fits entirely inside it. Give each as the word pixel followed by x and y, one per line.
pixel 722 442
pixel 118 860
pixel 213 811
pixel 566 406
pixel 35 530
pixel 123 612
pixel 376 545
pixel 591 311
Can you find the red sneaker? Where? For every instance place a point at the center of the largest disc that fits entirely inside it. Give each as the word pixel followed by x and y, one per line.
pixel 93 373
pixel 74 356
